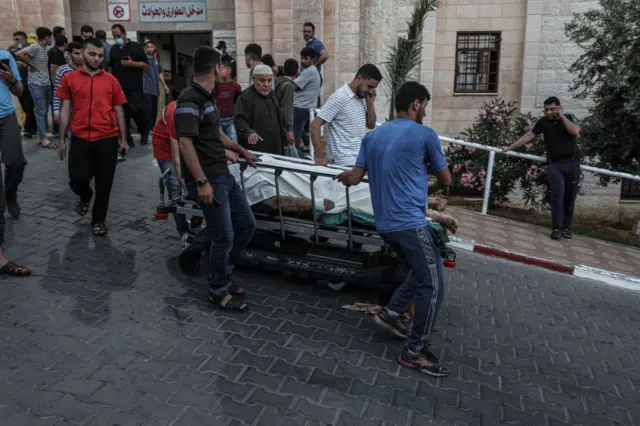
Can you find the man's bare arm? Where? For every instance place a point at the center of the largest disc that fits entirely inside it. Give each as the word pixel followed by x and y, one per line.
pixel 191 158
pixel 64 119
pixel 175 156
pixel 16 88
pixel 229 144
pixel 525 139
pixel 371 116
pixel 120 119
pixel 444 176
pixel 572 128
pixel 324 55
pixel 314 131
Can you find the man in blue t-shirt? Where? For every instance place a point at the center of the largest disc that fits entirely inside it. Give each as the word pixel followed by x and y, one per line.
pixel 396 157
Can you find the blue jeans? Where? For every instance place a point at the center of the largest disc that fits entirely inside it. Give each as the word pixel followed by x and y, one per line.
pixel 564 179
pixel 232 225
pixel 424 283
pixel 300 119
pixel 42 99
pixel 229 128
pixel 174 190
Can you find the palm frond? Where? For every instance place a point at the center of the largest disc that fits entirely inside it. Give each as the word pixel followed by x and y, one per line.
pixel 406 54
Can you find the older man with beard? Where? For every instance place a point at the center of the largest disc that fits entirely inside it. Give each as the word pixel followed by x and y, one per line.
pixel 98 119
pixel 259 117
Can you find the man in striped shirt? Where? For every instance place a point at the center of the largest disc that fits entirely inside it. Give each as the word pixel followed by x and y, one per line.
pixel 75 54
pixel 349 111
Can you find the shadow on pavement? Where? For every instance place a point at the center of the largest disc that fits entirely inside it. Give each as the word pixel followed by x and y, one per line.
pixel 90 269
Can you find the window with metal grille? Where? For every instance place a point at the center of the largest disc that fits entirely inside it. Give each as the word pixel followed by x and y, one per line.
pixel 477 62
pixel 630 190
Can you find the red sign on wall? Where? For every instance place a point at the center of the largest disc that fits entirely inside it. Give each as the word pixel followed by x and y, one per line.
pixel 118 10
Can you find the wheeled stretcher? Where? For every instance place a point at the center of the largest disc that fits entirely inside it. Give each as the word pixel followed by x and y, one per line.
pixel 304 244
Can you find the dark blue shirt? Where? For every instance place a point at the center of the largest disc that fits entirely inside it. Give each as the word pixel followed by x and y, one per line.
pixel 395 156
pixel 318 47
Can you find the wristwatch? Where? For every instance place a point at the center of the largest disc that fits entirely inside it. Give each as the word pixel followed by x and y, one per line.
pixel 202 182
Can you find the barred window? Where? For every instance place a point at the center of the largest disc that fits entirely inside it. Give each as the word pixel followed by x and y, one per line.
pixel 630 190
pixel 477 62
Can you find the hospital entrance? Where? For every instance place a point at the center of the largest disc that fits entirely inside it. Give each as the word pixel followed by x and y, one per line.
pixel 176 56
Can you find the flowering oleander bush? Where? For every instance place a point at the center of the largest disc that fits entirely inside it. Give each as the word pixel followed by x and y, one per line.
pixel 499 123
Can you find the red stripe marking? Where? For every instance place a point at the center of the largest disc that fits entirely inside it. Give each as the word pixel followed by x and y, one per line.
pixel 521 258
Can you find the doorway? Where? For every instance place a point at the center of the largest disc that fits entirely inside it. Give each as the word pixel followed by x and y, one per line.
pixel 176 56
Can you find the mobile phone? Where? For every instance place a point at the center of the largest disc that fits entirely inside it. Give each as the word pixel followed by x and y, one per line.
pixel 6 62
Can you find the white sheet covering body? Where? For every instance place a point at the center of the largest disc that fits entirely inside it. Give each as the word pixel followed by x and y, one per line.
pixel 259 184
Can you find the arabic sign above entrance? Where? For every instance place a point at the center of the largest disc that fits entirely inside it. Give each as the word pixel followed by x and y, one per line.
pixel 173 12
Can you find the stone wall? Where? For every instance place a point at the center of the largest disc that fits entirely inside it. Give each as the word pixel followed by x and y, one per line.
pixel 549 53
pixel 452 112
pixel 27 15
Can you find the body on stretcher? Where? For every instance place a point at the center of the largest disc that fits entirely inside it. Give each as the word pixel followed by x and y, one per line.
pixel 338 244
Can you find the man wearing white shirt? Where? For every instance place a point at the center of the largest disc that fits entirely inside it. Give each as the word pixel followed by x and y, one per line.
pixel 349 111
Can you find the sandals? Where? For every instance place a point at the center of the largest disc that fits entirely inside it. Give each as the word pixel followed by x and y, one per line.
pixel 567 234
pixel 100 229
pixel 236 289
pixel 50 145
pixel 82 207
pixel 13 270
pixel 229 302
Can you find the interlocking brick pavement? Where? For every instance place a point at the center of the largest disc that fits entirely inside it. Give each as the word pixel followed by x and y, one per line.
pixel 110 332
pixel 532 240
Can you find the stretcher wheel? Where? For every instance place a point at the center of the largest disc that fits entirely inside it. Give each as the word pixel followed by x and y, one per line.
pixel 160 216
pixel 450 263
pixel 189 261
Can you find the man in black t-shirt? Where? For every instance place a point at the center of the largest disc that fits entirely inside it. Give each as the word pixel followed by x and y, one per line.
pixel 202 149
pixel 128 60
pixel 559 130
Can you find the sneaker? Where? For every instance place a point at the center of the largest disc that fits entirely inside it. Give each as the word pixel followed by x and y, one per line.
pixel 426 362
pixel 121 157
pixel 396 325
pixel 556 234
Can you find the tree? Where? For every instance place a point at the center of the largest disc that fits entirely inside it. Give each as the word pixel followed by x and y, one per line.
pixel 406 54
pixel 608 72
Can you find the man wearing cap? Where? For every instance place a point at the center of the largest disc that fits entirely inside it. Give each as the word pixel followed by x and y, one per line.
pixel 226 58
pixel 259 117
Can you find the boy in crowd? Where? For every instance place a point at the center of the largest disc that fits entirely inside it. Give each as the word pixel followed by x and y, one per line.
pixel 285 90
pixel 227 91
pixel 309 82
pixel 75 55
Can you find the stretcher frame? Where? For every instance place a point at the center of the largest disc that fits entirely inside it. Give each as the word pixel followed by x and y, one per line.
pixel 360 240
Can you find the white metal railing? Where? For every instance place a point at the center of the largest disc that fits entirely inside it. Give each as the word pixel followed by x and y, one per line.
pixel 492 155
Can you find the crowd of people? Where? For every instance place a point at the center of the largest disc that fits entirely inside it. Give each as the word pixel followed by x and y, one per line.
pixel 95 89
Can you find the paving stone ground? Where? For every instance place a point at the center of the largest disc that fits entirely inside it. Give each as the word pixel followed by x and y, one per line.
pixel 110 332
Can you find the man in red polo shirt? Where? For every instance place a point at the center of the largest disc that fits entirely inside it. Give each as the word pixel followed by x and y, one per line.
pixel 96 99
pixel 167 154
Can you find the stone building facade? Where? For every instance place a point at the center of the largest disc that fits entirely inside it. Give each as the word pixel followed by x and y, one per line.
pixel 473 50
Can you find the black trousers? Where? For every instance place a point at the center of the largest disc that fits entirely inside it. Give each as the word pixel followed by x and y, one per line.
pixel 137 108
pixel 27 105
pixel 93 160
pixel 152 101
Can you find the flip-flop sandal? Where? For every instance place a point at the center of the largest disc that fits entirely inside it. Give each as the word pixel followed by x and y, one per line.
pixel 82 207
pixel 100 230
pixel 13 270
pixel 234 303
pixel 50 145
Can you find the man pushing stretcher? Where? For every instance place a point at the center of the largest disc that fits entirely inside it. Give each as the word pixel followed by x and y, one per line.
pixel 396 157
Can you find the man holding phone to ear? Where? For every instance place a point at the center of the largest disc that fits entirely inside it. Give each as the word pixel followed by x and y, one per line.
pixel 560 131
